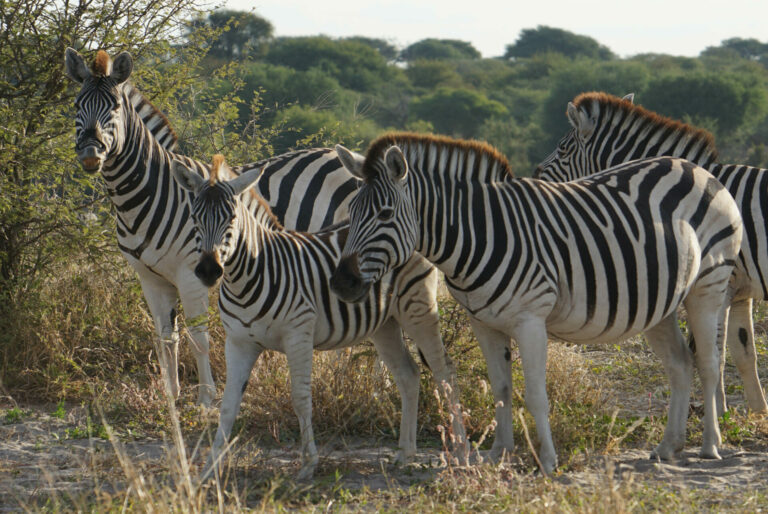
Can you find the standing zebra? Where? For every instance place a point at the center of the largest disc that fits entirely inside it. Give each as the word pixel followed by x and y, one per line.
pixel 608 130
pixel 274 295
pixel 307 190
pixel 591 261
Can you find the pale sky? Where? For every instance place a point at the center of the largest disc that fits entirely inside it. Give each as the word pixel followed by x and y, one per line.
pixel 676 27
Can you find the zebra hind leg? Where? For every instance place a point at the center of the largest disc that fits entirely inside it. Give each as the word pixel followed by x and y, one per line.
pixel 708 318
pixel 495 345
pixel 389 344
pixel 741 344
pixel 668 343
pixel 423 326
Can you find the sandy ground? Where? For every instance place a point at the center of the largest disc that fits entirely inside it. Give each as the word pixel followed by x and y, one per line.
pixel 39 458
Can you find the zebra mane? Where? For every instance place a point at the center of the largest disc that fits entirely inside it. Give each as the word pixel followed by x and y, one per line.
pixel 599 103
pixel 155 120
pixel 220 171
pixel 426 145
pixel 102 64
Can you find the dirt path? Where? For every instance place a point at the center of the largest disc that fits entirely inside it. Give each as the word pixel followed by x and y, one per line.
pixel 41 456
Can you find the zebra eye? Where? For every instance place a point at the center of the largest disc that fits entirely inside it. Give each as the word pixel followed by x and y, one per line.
pixel 386 214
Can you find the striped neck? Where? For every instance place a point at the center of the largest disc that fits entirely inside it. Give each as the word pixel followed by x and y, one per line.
pixel 627 132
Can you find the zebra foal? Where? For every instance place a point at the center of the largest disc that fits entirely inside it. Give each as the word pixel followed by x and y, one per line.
pixel 274 295
pixel 608 130
pixel 121 135
pixel 591 261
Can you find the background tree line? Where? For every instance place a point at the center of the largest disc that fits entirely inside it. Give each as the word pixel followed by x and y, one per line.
pixel 351 89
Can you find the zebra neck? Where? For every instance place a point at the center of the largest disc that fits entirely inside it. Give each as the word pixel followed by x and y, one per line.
pixel 138 178
pixel 458 221
pixel 629 135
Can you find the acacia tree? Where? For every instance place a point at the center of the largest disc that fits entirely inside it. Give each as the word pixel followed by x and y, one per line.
pixel 44 196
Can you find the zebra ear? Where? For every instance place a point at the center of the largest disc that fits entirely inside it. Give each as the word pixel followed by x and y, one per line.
pixel 397 166
pixel 246 180
pixel 74 66
pixel 352 161
pixel 629 98
pixel 122 67
pixel 581 121
pixel 186 177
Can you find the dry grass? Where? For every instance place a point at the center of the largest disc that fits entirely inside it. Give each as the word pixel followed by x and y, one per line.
pixel 86 340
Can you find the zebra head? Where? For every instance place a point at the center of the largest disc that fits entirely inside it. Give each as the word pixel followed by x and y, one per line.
pixel 574 155
pixel 382 230
pixel 98 121
pixel 214 212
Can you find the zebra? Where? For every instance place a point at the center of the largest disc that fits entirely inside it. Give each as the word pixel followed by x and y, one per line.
pixel 274 295
pixel 307 190
pixel 590 261
pixel 608 130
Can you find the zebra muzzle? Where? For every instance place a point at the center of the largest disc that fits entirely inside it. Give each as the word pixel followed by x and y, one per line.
pixel 347 282
pixel 208 270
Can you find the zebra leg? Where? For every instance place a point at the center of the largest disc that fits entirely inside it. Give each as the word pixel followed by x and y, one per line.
pixel 741 344
pixel 195 302
pixel 495 348
pixel 161 299
pixel 298 350
pixel 419 317
pixel 708 319
pixel 668 343
pixel 531 336
pixel 389 344
pixel 240 357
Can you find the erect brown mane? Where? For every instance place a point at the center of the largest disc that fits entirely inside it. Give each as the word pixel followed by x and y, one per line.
pixel 615 103
pixel 216 163
pixel 379 146
pixel 101 64
pixel 220 170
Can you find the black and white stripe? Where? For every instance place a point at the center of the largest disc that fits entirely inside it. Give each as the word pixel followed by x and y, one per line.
pixel 274 295
pixel 608 131
pixel 308 190
pixel 591 261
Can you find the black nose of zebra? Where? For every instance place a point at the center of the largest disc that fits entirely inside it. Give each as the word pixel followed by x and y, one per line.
pixel 347 283
pixel 537 172
pixel 208 270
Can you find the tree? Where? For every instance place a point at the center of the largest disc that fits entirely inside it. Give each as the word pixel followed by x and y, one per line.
pixel 430 74
pixel 724 101
pixel 43 190
pixel 436 49
pixel 355 65
pixel 545 39
pixel 387 50
pixel 458 112
pixel 242 34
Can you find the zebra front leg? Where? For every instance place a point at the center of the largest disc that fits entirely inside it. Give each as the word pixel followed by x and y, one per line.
pixel 495 346
pixel 531 337
pixel 298 351
pixel 389 344
pixel 668 343
pixel 240 357
pixel 161 298
pixel 194 298
pixel 741 344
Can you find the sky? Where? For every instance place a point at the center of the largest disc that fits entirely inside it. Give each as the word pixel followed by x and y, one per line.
pixel 676 27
